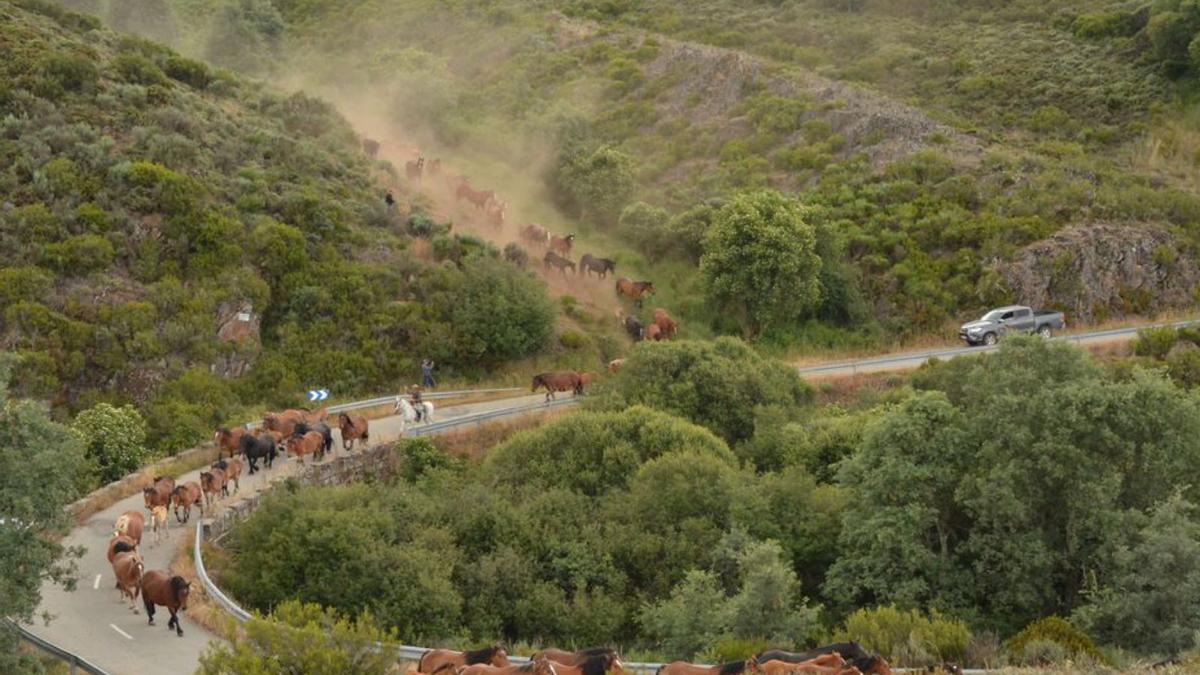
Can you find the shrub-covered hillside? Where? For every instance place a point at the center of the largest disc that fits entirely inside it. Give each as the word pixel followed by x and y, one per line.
pixel 189 241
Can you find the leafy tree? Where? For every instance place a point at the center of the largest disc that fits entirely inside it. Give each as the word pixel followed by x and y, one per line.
pixel 646 227
pixel 717 384
pixel 115 439
pixel 1151 600
pixel 302 638
pixel 597 182
pixel 760 262
pixel 769 603
pixel 695 616
pixel 41 469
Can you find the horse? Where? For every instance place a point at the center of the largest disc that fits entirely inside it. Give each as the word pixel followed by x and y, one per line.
pixel 413 169
pixel 255 447
pixel 184 496
pixel 130 524
pixel 478 198
pixel 664 321
pixel 872 664
pixel 314 416
pixel 615 365
pixel 408 414
pixel 284 422
pixel 653 333
pixel 436 659
pixel 371 147
pixel 774 667
pixel 598 663
pixel 158 494
pixel 587 377
pixel 535 234
pixel 634 289
pixel 128 568
pixel 353 428
pixel 120 544
pixel 232 469
pixel 847 650
pixel 685 668
pixel 601 266
pixel 160 588
pixel 495 214
pixel 553 259
pixel 534 667
pixel 158 521
pixel 229 439
pixel 555 382
pixel 320 428
pixel 633 327
pixel 308 443
pixel 562 244
pixel 572 658
pixel 213 483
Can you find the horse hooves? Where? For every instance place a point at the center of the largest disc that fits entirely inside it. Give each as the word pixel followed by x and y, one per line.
pixel 179 633
pixel 151 621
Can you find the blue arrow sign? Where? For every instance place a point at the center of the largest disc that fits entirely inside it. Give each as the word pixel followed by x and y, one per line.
pixel 318 394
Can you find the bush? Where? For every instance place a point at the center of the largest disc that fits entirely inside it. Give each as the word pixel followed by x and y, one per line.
pixel 1042 653
pixel 907 637
pixel 80 256
pixel 1060 632
pixel 192 73
pixel 645 227
pixel 138 69
pixel 1183 365
pixel 72 72
pixel 573 339
pixel 115 439
pixel 1155 342
pixel 419 456
pixel 516 255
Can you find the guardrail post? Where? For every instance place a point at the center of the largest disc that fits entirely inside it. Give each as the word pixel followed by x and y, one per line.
pixel 72 665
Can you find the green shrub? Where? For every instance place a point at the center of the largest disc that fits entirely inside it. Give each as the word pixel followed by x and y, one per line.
pixel 1183 365
pixel 420 456
pixel 1042 653
pixel 516 255
pixel 192 73
pixel 72 72
pixel 138 69
pixel 115 439
pixel 573 339
pixel 1059 631
pixel 80 256
pixel 1155 342
pixel 907 637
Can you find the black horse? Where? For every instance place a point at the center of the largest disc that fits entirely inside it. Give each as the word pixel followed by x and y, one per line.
pixel 601 266
pixel 255 447
pixel 553 259
pixel 633 327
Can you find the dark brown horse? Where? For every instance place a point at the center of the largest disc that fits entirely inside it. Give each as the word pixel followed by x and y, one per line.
pixel 184 496
pixel 212 482
pixel 559 381
pixel 414 169
pixel 557 261
pixel 573 658
pixel 158 494
pixel 599 663
pixel 160 588
pixel 311 443
pixel 535 234
pixel 477 198
pixel 437 659
pixel 284 422
pixel 354 428
pixel 653 333
pixel 634 290
pixel 562 244
pixel 664 321
pixel 535 667
pixel 601 266
pixel 127 567
pixel 232 469
pixel 228 440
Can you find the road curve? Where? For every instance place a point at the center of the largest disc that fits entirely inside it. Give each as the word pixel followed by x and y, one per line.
pixel 910 360
pixel 93 624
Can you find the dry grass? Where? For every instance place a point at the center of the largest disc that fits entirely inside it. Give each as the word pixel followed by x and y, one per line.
pixel 474 442
pixel 201 608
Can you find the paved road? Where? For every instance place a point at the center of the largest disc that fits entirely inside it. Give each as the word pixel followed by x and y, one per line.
pixel 910 360
pixel 92 623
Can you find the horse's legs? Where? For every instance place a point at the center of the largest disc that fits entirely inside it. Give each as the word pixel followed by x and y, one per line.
pixel 175 620
pixel 149 607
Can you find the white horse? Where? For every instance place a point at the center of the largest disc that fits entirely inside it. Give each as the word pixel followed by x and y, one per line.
pixel 409 413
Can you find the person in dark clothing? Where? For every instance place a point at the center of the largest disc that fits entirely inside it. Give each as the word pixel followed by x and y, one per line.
pixel 427 374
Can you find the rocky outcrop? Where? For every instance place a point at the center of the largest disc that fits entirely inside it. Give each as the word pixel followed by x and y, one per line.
pixel 1101 271
pixel 238 330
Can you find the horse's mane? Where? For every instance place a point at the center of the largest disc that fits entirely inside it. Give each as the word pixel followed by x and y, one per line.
pixel 596 664
pixel 123 547
pixel 731 668
pixel 592 651
pixel 301 428
pixel 480 655
pixel 178 584
pixel 865 662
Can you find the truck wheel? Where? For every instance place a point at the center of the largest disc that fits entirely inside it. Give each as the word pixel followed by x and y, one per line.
pixel 989 339
pixel 1044 332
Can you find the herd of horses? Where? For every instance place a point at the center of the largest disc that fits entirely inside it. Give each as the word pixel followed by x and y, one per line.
pixel 842 658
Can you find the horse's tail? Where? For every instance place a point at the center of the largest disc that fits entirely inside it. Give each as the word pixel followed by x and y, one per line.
pixel 421 662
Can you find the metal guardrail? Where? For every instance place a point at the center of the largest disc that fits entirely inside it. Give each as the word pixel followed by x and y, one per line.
pixel 964 351
pixel 429 396
pixel 74 662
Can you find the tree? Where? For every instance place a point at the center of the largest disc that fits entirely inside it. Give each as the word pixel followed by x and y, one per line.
pixel 760 262
pixel 245 36
pixel 769 603
pixel 597 183
pixel 302 638
pixel 42 467
pixel 694 617
pixel 115 439
pixel 645 226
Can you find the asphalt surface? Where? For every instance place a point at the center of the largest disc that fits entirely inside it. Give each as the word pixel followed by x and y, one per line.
pixel 910 360
pixel 93 622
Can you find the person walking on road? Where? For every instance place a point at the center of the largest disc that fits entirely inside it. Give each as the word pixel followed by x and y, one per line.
pixel 427 374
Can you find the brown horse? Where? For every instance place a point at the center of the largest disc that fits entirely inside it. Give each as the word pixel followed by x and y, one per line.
pixel 573 658
pixel 534 667
pixel 634 289
pixel 354 427
pixel 214 486
pixel 731 668
pixel 614 366
pixel 478 198
pixel 128 568
pixel 184 496
pixel 315 416
pixel 653 333
pixel 130 524
pixel 160 588
pixel 228 440
pixel 311 443
pixel 562 244
pixel 414 169
pixel 284 422
pixel 120 544
pixel 598 661
pixel 559 381
pixel 775 667
pixel 232 468
pixel 495 213
pixel 158 494
pixel 664 321
pixel 535 234
pixel 437 659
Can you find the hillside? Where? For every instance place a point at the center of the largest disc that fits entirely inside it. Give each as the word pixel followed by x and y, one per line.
pixel 192 242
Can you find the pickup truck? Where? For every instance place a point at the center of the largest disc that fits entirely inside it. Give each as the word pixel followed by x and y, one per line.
pixel 1012 319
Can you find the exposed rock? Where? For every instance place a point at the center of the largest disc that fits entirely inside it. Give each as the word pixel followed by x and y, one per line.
pixel 1101 271
pixel 237 327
